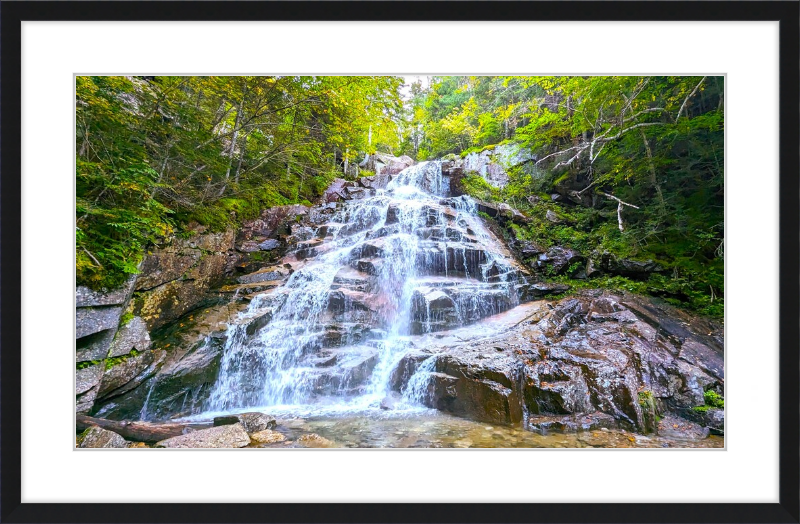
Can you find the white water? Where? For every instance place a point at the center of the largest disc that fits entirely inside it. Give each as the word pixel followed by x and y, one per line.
pixel 422 250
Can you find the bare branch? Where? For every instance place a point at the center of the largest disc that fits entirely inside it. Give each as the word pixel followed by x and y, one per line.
pixel 688 97
pixel 562 152
pixel 620 203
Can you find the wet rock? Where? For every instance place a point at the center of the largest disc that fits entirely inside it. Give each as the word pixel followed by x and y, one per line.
pixel 258 322
pixel 228 436
pixel 269 244
pixel 388 403
pixel 95 437
pixel 352 279
pixel 543 289
pixel 267 436
pixel 129 373
pixel 252 422
pixel 713 419
pixel 183 382
pixel 369 266
pixel 133 335
pixel 248 246
pixel 678 428
pixel 556 387
pixel 341 300
pixel 376 181
pixel 91 320
pixel 312 440
pixel 335 191
pixel 266 274
pixel 544 424
pixel 590 354
pixel 483 400
pixel 385 165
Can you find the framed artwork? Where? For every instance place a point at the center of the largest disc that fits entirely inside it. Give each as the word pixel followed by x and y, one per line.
pixel 400 261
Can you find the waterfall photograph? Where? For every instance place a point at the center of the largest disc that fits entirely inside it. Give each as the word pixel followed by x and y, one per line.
pixel 399 261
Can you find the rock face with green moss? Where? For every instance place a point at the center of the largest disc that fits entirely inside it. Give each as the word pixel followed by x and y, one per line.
pixel 596 359
pixel 491 163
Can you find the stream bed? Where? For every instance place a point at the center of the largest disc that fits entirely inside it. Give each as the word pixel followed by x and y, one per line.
pixel 429 428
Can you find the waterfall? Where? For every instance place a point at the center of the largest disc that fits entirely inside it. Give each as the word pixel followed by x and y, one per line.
pixel 401 262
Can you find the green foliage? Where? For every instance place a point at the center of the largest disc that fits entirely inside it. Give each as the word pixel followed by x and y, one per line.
pixel 476 186
pixel 113 361
pixel 458 114
pixel 714 399
pixel 646 398
pixel 125 318
pixel 654 142
pixel 156 153
pixel 87 364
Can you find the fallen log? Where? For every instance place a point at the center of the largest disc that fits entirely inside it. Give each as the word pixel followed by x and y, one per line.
pixel 136 431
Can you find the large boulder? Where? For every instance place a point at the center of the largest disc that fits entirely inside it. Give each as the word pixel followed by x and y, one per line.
pixel 165 266
pixel 608 263
pixel 91 320
pixel 87 384
pixel 85 297
pixel 312 440
pixel 95 437
pixel 267 436
pixel 133 335
pixel 274 221
pixel 168 302
pixel 558 260
pixel 628 357
pixel 129 373
pixel 228 436
pixel 492 164
pixel 94 346
pixel 252 422
pixel 383 164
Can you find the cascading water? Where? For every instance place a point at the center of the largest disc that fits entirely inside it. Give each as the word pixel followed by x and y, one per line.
pixel 405 261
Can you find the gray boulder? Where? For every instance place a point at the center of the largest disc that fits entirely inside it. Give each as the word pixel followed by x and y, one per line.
pixel 252 422
pixel 229 436
pixel 133 335
pixel 94 347
pixel 87 378
pixel 91 320
pixel 85 297
pixel 95 437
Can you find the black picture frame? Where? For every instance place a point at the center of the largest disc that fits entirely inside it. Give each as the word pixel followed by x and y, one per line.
pixel 11 15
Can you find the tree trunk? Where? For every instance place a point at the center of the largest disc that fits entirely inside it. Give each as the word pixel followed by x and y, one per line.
pixel 234 138
pixel 239 165
pixel 653 178
pixel 137 431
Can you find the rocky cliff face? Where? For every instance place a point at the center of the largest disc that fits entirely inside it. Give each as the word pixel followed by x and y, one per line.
pixel 596 359
pixel 328 285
